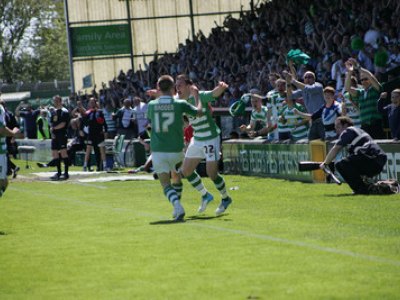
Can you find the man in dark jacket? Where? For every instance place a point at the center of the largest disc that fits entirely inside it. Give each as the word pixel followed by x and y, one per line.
pixel 365 157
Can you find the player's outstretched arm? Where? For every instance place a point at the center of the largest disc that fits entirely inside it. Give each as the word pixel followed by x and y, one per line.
pixel 153 93
pixel 301 114
pixel 5 131
pixel 219 89
pixel 194 91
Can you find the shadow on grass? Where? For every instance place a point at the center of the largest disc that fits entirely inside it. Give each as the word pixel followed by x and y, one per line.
pixel 166 222
pixel 188 219
pixel 355 196
pixel 193 218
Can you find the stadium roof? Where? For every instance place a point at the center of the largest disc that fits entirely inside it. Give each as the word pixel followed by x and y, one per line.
pixel 10 97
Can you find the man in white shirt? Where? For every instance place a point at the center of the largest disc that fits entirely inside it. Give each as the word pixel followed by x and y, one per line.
pixel 140 111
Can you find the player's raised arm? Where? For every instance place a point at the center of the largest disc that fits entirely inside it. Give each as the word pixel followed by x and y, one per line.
pixel 153 93
pixel 194 91
pixel 219 89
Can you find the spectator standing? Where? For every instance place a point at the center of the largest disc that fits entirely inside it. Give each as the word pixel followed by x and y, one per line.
pixel 108 112
pixel 338 69
pixel 350 104
pixel 96 135
pixel 313 97
pixel 394 55
pixel 292 126
pixel 258 125
pixel 125 120
pixel 393 112
pixel 140 112
pixel 29 115
pixel 328 113
pixel 43 128
pixel 77 143
pixel 275 104
pixel 371 119
pixel 272 78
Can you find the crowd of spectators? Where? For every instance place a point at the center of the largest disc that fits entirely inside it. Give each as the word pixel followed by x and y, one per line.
pixel 248 52
pixel 242 52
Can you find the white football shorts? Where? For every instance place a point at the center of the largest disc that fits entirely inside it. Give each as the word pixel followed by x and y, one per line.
pixel 164 162
pixel 210 149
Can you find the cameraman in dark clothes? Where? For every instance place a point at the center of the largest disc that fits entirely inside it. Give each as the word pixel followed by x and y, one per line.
pixel 365 157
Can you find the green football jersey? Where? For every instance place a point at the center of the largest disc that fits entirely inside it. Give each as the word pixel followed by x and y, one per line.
pixel 165 115
pixel 204 127
pixel 3 145
pixel 292 122
pixel 352 112
pixel 260 117
pixel 275 104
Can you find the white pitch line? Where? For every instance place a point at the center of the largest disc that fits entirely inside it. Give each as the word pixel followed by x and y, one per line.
pixel 100 187
pixel 302 244
pixel 264 237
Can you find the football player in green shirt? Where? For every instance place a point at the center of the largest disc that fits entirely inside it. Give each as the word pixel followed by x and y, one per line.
pixel 205 144
pixel 166 141
pixel 4 132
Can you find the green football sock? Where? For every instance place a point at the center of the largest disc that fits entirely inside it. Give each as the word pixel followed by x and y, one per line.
pixel 195 180
pixel 220 185
pixel 178 187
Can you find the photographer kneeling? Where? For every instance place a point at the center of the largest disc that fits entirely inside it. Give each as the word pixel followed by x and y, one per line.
pixel 365 157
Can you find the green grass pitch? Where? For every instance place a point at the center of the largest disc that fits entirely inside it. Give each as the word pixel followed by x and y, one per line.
pixel 278 240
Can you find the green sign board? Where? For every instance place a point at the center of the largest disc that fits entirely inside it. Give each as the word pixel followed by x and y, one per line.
pixel 87 81
pixel 270 160
pixel 392 168
pixel 100 40
pixel 280 160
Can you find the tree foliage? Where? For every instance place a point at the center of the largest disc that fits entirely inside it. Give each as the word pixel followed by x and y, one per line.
pixel 32 40
pixel 52 49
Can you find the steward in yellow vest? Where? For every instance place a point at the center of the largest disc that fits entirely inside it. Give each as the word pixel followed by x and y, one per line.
pixel 42 122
